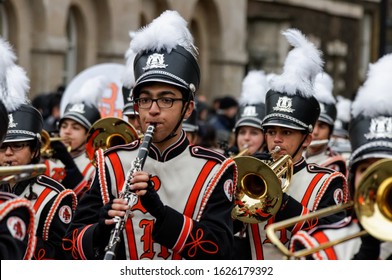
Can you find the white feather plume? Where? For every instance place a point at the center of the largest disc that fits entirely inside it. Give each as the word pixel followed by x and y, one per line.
pixel 7 57
pixel 374 96
pixel 301 66
pixel 91 91
pixel 254 88
pixel 323 88
pixel 128 79
pixel 164 33
pixel 343 106
pixel 14 83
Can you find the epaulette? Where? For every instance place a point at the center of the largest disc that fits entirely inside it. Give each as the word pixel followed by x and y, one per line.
pixel 50 183
pixel 124 147
pixel 202 152
pixel 315 168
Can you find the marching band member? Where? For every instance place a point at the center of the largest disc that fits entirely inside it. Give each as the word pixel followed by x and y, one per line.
pixel 75 169
pixel 249 136
pixel 340 139
pixel 53 205
pixel 185 193
pixel 319 150
pixel 128 82
pixel 370 134
pixel 291 113
pixel 17 230
pixel 191 127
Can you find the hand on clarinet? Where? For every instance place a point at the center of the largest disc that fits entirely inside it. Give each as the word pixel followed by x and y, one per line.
pixel 148 196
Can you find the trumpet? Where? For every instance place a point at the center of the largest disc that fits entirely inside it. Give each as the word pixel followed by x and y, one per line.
pixel 372 206
pixel 14 174
pixel 108 132
pixel 260 187
pixel 46 150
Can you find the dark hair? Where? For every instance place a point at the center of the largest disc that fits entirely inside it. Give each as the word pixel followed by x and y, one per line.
pixel 35 147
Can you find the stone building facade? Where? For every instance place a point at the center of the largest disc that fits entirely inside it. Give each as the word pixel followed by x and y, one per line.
pixel 55 40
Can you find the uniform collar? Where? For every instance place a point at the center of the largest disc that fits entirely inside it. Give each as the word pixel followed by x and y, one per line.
pixel 172 151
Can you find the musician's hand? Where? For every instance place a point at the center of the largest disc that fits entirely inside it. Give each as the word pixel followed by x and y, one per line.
pixel 151 201
pixel 139 182
pixel 118 208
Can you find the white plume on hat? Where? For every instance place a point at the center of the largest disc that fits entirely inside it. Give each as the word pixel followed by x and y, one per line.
pixel 374 96
pixel 14 83
pixel 323 88
pixel 91 91
pixel 254 88
pixel 164 33
pixel 343 106
pixel 301 66
pixel 128 78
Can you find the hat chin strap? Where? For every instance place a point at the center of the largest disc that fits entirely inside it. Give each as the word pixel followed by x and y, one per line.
pixel 299 147
pixel 173 132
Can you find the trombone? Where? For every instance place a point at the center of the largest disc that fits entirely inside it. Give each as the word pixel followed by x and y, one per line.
pixel 14 174
pixel 259 190
pixel 372 205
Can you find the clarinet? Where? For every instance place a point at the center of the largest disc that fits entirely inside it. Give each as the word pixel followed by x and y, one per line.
pixel 127 194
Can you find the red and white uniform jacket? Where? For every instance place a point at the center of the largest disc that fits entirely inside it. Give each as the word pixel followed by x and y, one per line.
pixel 195 184
pixel 17 228
pixel 330 159
pixel 55 169
pixel 312 187
pixel 54 206
pixel 326 233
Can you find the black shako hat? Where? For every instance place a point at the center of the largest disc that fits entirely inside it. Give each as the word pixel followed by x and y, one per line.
pixel 178 68
pixel 370 129
pixel 295 112
pixel 3 121
pixel 25 123
pixel 128 108
pixel 165 53
pixel 323 88
pixel 128 81
pixel 83 105
pixel 83 113
pixel 252 101
pixel 340 128
pixel 290 102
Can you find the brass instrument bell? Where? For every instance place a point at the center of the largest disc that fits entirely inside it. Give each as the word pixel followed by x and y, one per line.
pixel 259 189
pixel 108 132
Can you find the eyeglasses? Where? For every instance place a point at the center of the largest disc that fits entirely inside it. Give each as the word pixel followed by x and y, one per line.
pixel 17 146
pixel 162 102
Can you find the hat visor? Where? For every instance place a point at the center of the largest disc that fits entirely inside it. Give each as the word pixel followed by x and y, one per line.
pixel 242 123
pixel 376 154
pixel 76 118
pixel 155 78
pixel 17 138
pixel 282 123
pixel 328 120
